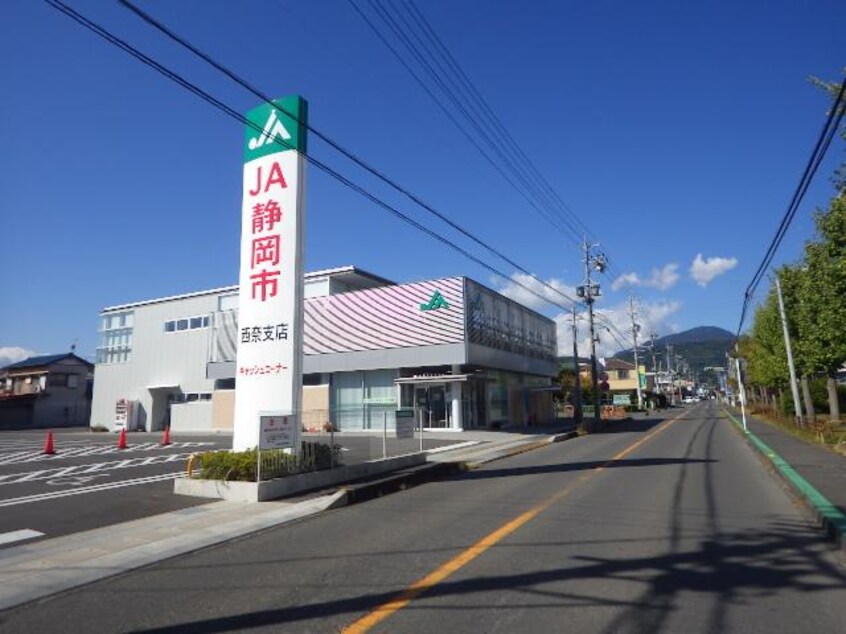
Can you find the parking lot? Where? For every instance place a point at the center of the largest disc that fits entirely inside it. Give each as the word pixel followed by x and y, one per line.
pixel 89 482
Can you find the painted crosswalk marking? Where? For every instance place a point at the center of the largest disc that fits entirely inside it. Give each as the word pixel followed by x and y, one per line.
pixel 89 469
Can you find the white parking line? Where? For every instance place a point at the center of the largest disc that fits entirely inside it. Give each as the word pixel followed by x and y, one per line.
pixel 95 450
pixel 86 469
pixel 27 499
pixel 16 536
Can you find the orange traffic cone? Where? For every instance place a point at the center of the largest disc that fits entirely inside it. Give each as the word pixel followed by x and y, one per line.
pixel 122 439
pixel 166 437
pixel 48 444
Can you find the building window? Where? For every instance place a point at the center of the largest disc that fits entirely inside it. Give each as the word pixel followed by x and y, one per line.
pixel 188 323
pixel 622 374
pixel 115 337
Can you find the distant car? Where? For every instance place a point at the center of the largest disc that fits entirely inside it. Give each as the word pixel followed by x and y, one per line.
pixel 690 399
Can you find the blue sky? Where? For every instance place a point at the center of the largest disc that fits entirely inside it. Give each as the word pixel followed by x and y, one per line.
pixel 672 130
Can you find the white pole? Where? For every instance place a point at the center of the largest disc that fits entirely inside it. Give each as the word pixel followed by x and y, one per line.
pixel 637 367
pixel 794 386
pixel 742 392
pixel 384 435
pixel 421 430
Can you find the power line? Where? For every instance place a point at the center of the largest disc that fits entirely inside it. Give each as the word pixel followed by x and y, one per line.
pixel 468 101
pixel 467 134
pixel 338 147
pixel 832 124
pixel 193 88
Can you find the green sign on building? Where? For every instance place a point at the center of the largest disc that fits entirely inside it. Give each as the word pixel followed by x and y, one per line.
pixel 437 301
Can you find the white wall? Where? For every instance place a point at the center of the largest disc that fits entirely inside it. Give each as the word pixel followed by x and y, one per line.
pixel 192 417
pixel 157 359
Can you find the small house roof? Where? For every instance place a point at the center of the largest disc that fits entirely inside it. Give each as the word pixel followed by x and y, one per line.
pixel 45 360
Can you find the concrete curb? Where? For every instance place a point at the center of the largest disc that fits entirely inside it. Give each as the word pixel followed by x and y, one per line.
pixel 509 451
pixel 827 516
pixel 293 484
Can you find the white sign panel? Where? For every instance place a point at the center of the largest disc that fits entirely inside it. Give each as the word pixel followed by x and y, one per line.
pixel 277 431
pixel 268 375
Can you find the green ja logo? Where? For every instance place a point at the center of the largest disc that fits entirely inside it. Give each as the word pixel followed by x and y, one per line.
pixel 437 301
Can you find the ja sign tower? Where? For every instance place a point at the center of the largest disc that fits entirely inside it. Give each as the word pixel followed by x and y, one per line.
pixel 270 313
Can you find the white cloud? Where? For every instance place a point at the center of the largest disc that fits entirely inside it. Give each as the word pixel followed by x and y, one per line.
pixel 13 354
pixel 662 279
pixel 651 316
pixel 547 295
pixel 703 271
pixel 626 279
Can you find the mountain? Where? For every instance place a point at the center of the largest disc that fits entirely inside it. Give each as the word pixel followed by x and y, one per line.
pixel 701 347
pixel 699 334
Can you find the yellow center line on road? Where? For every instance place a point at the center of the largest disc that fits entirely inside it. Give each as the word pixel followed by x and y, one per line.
pixel 369 620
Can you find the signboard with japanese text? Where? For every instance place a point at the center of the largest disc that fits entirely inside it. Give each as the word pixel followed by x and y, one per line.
pixel 268 371
pixel 277 431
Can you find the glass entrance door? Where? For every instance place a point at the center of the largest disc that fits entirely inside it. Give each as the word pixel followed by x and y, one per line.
pixel 430 403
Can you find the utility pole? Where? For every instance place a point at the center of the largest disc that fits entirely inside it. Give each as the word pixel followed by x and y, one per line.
pixel 635 328
pixel 670 375
pixel 588 291
pixel 652 336
pixel 577 387
pixel 794 386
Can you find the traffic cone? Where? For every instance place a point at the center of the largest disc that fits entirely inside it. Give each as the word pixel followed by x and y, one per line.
pixel 48 444
pixel 166 437
pixel 122 439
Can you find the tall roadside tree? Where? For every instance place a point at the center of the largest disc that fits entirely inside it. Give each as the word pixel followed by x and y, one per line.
pixel 764 350
pixel 822 306
pixel 795 288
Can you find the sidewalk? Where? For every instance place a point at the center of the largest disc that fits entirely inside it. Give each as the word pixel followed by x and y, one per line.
pixel 815 474
pixel 33 571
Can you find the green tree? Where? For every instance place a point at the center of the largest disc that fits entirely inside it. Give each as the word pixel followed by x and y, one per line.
pixel 822 312
pixel 796 286
pixel 764 351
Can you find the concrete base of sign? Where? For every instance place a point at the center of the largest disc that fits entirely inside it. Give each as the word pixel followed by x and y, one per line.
pixel 291 485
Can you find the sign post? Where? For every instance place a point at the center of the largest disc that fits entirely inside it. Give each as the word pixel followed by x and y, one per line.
pixel 268 374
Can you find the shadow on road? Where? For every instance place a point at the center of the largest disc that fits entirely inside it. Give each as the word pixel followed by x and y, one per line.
pixel 631 425
pixel 734 567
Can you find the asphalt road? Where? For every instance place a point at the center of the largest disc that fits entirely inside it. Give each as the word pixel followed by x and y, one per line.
pixel 663 526
pixel 90 483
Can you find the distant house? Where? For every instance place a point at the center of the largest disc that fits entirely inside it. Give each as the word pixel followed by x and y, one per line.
pixel 45 391
pixel 620 375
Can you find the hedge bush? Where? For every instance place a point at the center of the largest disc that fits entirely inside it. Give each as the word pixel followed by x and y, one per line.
pixel 241 465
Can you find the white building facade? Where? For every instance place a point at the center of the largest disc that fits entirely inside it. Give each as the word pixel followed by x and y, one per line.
pixel 455 353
